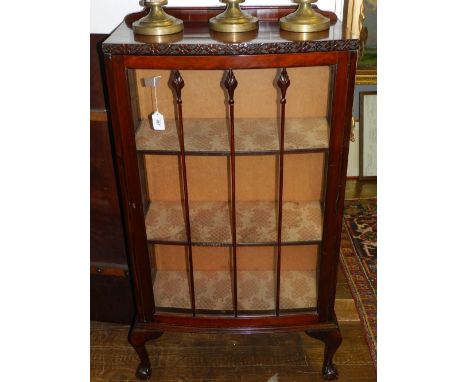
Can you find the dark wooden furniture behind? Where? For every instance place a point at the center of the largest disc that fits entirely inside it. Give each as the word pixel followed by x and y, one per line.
pixel 233 212
pixel 111 292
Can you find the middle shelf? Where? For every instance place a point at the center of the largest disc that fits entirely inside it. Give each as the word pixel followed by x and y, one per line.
pixel 210 223
pixel 210 136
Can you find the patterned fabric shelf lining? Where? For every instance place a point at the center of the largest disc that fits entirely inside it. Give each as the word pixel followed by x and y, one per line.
pixel 210 222
pixel 258 135
pixel 255 290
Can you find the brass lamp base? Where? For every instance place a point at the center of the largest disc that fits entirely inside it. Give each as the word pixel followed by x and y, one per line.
pixel 157 22
pixel 233 19
pixel 304 19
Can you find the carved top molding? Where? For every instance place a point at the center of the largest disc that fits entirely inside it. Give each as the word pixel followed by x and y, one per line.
pixel 198 40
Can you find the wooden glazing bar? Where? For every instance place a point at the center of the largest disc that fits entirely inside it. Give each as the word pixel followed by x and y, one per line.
pixel 178 84
pixel 143 181
pixel 228 313
pixel 324 181
pixel 248 244
pixel 283 83
pixel 230 83
pixel 242 153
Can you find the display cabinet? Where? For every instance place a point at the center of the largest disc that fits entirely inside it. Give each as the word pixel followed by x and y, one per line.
pixel 233 211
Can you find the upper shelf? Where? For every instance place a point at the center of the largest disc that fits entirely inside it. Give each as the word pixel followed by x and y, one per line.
pixel 198 40
pixel 252 136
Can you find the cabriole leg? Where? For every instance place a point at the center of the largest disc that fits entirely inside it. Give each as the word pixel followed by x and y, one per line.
pixel 332 340
pixel 137 339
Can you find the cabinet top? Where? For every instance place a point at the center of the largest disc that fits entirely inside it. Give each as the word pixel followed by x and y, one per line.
pixel 198 40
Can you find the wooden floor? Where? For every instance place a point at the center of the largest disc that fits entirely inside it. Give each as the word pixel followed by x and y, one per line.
pixel 291 357
pixel 360 189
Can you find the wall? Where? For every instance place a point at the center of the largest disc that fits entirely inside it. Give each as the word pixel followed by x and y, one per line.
pixel 107 14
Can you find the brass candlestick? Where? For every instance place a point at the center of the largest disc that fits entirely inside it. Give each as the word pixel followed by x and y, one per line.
pixel 304 19
pixel 234 38
pixel 157 22
pixel 233 19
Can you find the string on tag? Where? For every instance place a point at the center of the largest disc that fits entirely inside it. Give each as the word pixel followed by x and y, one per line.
pixel 153 82
pixel 157 118
pixel 155 99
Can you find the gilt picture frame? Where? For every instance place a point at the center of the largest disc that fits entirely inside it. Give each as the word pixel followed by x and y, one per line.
pixel 360 18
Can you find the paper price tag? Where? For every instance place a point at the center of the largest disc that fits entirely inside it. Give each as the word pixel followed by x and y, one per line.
pixel 158 121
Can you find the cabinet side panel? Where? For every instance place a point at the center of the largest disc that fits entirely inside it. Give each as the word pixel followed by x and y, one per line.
pixel 107 238
pixel 111 299
pixel 97 99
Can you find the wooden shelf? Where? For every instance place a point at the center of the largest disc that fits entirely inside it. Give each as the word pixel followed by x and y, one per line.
pixel 256 290
pixel 256 223
pixel 252 136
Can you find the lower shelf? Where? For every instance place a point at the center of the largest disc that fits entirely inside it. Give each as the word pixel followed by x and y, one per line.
pixel 256 223
pixel 255 291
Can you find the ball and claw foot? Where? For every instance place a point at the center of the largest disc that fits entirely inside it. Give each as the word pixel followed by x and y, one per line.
pixel 330 372
pixel 143 372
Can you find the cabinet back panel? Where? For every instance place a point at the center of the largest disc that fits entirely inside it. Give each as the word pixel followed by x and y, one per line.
pixel 207 178
pixel 303 176
pixel 163 177
pixel 256 177
pixel 297 257
pixel 204 95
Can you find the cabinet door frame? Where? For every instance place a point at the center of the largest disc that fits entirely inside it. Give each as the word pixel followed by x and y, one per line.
pixel 342 86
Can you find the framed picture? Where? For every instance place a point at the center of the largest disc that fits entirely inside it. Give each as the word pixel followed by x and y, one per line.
pixel 368 135
pixel 360 18
pixel 368 58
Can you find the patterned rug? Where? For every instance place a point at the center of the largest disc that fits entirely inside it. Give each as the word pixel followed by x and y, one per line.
pixel 358 257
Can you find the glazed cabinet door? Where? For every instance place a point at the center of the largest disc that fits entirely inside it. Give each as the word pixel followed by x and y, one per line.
pixel 233 187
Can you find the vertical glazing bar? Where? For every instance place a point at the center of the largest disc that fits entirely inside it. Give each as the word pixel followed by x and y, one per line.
pixel 283 84
pixel 178 84
pixel 230 83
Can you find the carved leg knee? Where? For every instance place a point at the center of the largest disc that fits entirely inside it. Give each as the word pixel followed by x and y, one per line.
pixel 332 340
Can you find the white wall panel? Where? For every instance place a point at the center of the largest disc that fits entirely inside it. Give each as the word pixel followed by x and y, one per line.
pixel 107 14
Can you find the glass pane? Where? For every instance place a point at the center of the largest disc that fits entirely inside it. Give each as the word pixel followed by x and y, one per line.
pixel 302 196
pixel 256 280
pixel 172 286
pixel 256 194
pixel 298 285
pixel 213 280
pixel 208 195
pixel 165 216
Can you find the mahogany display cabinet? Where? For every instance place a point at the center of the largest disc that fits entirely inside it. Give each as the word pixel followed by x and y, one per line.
pixel 233 212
